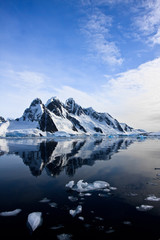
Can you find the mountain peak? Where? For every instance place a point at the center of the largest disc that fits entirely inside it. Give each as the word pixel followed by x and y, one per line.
pixel 52 99
pixel 73 108
pixel 36 101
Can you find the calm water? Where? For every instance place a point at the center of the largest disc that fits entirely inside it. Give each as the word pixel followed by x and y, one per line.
pixel 34 169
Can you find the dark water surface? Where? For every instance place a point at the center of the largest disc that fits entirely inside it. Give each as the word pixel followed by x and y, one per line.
pixel 34 169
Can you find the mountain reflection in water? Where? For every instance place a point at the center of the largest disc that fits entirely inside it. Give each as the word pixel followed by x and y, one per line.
pixel 56 156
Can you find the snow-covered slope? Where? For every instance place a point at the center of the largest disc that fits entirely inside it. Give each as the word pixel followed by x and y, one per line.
pixel 57 118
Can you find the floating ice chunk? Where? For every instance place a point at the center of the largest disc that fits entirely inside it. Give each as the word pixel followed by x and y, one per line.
pixel 76 211
pixel 45 200
pixel 103 195
pixel 64 236
pixel 10 213
pixel 53 204
pixel 152 198
pixel 113 188
pixel 85 187
pixel 127 223
pixel 70 184
pixel 73 199
pixel 87 194
pixel 110 230
pixel 57 227
pixel 34 220
pixel 99 218
pixel 132 194
pixel 144 208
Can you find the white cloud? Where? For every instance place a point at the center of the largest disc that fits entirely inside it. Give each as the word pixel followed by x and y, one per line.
pixel 137 95
pixel 131 97
pixel 96 29
pixel 148 20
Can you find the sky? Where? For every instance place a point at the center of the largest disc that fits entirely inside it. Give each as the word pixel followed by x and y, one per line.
pixel 102 53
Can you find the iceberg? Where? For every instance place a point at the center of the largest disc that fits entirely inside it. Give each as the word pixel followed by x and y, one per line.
pixel 10 213
pixel 76 211
pixel 34 220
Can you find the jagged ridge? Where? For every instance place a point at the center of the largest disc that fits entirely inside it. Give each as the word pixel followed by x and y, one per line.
pixel 71 118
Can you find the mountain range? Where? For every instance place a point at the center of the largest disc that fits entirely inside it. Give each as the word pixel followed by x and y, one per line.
pixel 62 119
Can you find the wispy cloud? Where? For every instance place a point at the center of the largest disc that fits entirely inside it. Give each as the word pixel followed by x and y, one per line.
pixel 148 20
pixel 96 28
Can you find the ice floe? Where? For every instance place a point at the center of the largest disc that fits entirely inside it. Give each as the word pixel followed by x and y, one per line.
pixel 72 199
pixel 57 227
pixel 34 220
pixel 64 236
pixel 81 218
pixel 152 198
pixel 10 213
pixel 45 200
pixel 82 186
pixel 76 211
pixel 144 208
pixel 53 204
pixel 70 184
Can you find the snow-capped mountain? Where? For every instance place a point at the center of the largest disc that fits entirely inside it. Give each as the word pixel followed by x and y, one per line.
pixel 58 118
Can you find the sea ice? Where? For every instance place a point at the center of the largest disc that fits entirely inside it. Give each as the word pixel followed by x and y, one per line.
pixel 144 208
pixel 84 186
pixel 34 220
pixel 10 213
pixel 76 211
pixel 152 198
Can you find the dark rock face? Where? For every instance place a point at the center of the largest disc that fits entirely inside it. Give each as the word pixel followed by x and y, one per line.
pixel 76 123
pixel 2 119
pixel 46 123
pixel 36 102
pixel 97 129
pixel 73 107
pixel 55 107
pixel 34 112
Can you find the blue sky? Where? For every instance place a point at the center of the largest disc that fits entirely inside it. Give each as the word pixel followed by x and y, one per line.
pixel 103 53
